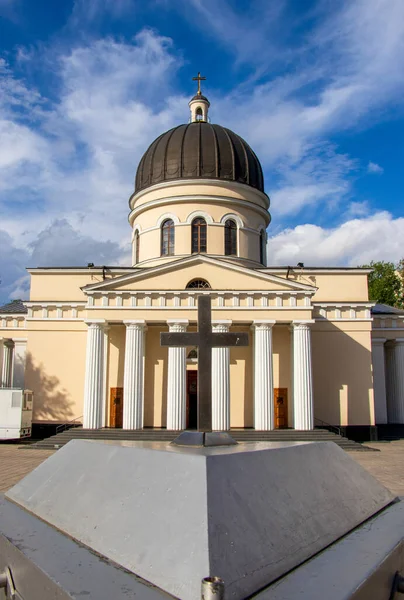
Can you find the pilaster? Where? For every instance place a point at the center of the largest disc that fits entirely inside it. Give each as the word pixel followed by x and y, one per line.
pixel 221 381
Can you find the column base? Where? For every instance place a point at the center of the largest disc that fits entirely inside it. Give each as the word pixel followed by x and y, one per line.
pixel 206 439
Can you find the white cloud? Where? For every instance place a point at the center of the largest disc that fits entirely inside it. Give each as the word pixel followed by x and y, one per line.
pixel 375 168
pixel 59 244
pixel 353 243
pixel 344 70
pixel 74 160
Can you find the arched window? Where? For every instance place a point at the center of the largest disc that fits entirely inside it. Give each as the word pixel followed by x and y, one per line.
pixel 136 247
pixel 263 247
pixel 198 235
pixel 230 238
pixel 198 284
pixel 167 238
pixel 199 114
pixel 193 354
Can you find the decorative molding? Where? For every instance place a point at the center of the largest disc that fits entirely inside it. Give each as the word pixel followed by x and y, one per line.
pixel 199 213
pixel 164 217
pixel 183 182
pixel 197 199
pixel 231 216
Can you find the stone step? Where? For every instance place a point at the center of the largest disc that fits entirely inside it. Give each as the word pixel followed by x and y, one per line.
pixel 247 435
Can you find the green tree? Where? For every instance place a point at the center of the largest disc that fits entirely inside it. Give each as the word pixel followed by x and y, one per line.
pixel 386 283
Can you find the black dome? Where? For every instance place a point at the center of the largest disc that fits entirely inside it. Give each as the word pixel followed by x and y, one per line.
pixel 199 150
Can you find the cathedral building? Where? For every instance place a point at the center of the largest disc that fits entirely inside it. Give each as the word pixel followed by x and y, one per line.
pixel 87 342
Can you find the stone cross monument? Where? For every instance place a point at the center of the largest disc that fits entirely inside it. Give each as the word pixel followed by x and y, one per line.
pixel 205 339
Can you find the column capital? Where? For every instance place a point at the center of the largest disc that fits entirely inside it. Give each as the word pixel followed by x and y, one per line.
pixel 96 322
pixel 376 340
pixel 302 324
pixel 263 324
pixel 221 326
pixel 177 325
pixel 8 343
pixel 135 324
pixel 177 321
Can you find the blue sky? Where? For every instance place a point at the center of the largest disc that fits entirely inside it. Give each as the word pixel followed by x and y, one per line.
pixel 315 87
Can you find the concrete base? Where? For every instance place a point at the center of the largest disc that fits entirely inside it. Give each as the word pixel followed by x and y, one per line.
pixel 208 439
pixel 247 513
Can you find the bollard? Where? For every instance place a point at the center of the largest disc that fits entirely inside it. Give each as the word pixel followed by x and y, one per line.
pixel 212 588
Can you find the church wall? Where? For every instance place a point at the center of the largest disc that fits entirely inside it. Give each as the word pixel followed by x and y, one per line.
pixel 115 361
pixel 63 285
pixel 281 352
pixel 155 412
pixel 241 383
pixel 342 373
pixel 55 366
pixel 336 287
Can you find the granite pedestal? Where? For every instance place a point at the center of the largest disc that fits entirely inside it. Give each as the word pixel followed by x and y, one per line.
pixel 171 516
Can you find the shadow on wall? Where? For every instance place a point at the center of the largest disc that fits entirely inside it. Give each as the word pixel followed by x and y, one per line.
pixel 342 378
pixel 51 401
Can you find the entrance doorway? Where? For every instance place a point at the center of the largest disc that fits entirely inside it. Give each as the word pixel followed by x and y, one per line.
pixel 281 407
pixel 192 399
pixel 116 407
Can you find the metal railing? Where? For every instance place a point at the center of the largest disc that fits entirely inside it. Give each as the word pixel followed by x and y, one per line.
pixel 69 424
pixel 328 425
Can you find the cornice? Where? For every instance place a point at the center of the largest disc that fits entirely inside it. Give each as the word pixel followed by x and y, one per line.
pixel 184 182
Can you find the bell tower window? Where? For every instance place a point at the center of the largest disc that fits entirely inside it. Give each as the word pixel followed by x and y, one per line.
pixel 230 238
pixel 167 238
pixel 198 235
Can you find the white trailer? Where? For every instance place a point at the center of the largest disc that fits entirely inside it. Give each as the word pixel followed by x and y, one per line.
pixel 15 413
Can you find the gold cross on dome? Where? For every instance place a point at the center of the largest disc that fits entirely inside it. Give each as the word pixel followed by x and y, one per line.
pixel 199 79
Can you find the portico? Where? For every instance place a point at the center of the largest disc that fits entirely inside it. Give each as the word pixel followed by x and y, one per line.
pixel 169 381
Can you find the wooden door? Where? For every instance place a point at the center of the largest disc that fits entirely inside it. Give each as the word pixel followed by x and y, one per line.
pixel 115 407
pixel 192 399
pixel 281 407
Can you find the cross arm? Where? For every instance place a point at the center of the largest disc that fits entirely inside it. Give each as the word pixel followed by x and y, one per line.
pixel 225 340
pixel 179 340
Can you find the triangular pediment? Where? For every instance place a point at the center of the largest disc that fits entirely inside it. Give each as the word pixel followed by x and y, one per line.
pixel 221 275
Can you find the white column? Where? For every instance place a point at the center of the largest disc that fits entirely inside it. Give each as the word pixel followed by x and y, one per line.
pixel 395 380
pixel 94 377
pixel 221 381
pixel 133 380
pixel 176 380
pixel 379 380
pixel 8 359
pixel 302 377
pixel 263 376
